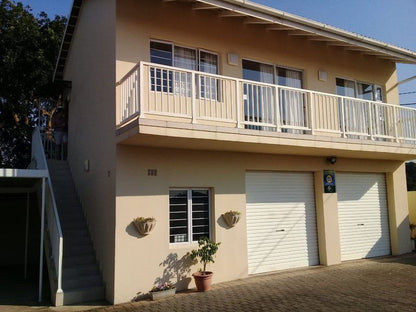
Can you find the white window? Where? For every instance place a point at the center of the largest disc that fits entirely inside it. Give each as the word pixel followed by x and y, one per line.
pixel 361 90
pixel 189 215
pixel 165 53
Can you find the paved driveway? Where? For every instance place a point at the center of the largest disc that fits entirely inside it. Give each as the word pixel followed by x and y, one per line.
pixel 387 284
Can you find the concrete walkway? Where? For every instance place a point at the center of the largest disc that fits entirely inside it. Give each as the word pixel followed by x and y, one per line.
pixel 387 284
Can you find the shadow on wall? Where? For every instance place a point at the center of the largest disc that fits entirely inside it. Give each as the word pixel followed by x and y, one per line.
pixel 176 269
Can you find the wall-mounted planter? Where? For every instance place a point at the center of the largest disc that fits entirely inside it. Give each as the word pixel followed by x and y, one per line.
pixel 144 225
pixel 231 217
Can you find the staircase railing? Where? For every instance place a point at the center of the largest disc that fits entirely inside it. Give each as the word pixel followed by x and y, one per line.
pixel 51 212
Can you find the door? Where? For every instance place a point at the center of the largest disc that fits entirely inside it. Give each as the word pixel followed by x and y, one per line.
pixel 363 215
pixel 281 221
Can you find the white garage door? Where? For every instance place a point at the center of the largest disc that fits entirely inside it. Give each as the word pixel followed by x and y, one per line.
pixel 281 221
pixel 363 215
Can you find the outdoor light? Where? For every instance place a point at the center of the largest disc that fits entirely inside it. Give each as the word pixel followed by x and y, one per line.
pixel 331 159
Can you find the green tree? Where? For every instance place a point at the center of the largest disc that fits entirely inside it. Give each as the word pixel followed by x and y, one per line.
pixel 29 47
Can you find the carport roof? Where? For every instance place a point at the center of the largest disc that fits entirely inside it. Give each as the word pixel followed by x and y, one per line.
pixel 19 180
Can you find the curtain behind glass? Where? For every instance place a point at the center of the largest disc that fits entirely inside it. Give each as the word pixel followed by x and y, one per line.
pixel 184 58
pixel 292 108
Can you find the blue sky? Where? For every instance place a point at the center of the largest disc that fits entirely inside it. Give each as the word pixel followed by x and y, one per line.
pixel 391 21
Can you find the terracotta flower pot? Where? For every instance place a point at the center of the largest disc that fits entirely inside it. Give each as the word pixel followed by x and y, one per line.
pixel 203 280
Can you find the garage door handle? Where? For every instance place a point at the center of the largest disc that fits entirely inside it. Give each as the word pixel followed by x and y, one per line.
pixel 282 230
pixel 360 224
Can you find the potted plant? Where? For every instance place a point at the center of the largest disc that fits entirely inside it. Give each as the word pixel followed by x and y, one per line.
pixel 161 291
pixel 205 253
pixel 144 225
pixel 231 217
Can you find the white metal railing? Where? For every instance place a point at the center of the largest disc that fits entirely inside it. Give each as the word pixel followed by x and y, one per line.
pixel 51 211
pixel 192 96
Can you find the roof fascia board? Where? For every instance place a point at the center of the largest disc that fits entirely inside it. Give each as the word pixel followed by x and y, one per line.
pixel 275 16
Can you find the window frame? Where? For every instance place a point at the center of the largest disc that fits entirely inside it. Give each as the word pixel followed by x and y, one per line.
pixel 302 72
pixel 356 82
pixel 275 71
pixel 189 213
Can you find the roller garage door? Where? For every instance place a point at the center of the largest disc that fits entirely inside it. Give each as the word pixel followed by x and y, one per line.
pixel 281 221
pixel 363 215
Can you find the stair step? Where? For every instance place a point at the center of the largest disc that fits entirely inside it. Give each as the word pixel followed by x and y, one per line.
pixel 78 260
pixel 81 295
pixel 75 232
pixel 82 281
pixel 81 278
pixel 78 251
pixel 80 270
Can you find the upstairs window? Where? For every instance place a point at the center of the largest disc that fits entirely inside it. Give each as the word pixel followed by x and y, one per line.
pixel 360 90
pixel 187 58
pixel 289 77
pixel 189 215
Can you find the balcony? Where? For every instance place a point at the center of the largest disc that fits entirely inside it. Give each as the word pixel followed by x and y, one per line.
pixel 153 95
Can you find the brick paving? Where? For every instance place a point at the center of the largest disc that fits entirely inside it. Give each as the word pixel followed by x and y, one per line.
pixel 386 284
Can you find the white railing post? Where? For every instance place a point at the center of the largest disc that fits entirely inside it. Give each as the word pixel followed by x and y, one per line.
pixel 311 113
pixel 343 121
pixel 370 121
pixel 140 89
pixel 193 96
pixel 396 121
pixel 277 111
pixel 238 102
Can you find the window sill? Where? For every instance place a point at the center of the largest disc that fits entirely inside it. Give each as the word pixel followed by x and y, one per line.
pixel 192 245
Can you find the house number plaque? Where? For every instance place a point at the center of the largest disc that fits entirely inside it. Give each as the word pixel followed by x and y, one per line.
pixel 329 181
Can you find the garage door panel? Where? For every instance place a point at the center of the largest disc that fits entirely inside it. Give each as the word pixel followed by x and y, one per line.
pixel 363 215
pixel 280 201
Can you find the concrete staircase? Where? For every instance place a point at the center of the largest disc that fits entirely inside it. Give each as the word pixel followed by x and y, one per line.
pixel 81 278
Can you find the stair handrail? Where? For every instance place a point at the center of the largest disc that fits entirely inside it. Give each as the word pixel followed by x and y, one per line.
pixel 52 216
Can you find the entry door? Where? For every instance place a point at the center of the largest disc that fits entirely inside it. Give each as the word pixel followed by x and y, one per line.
pixel 363 215
pixel 281 221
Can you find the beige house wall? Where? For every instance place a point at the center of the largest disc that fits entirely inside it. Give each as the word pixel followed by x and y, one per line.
pixel 142 261
pixel 140 21
pixel 411 196
pixel 91 68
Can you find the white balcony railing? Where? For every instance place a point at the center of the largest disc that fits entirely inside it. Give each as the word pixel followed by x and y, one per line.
pixel 197 97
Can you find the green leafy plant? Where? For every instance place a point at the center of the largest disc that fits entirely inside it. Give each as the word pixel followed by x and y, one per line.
pixel 206 251
pixel 142 219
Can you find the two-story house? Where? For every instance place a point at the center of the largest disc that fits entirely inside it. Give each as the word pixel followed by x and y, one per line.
pixel 184 110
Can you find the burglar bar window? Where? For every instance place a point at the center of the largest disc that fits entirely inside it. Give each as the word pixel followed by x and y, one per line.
pixel 189 215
